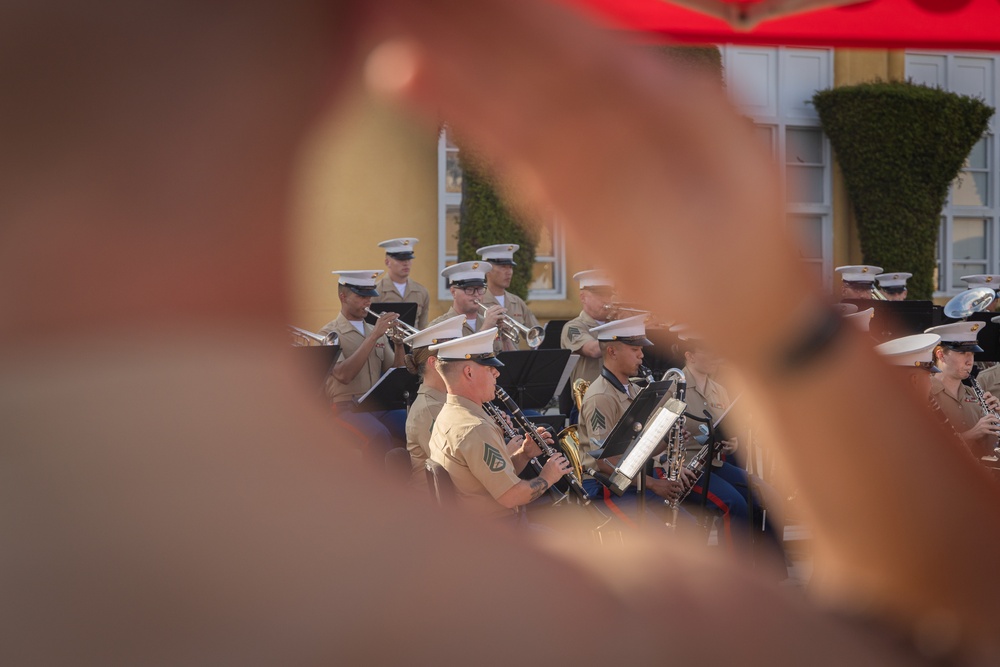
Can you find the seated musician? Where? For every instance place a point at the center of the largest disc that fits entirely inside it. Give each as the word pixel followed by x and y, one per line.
pixel 913 355
pixel 596 293
pixel 954 355
pixel 727 482
pixel 893 285
pixel 396 285
pixel 501 259
pixel 467 283
pixel 365 356
pixel 431 395
pixel 469 444
pixel 858 281
pixel 606 400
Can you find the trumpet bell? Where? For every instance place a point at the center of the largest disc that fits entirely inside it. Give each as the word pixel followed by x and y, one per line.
pixel 974 300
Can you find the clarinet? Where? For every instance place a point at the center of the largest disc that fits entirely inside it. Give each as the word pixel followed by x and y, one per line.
pixel 675 454
pixel 977 389
pixel 510 433
pixel 548 450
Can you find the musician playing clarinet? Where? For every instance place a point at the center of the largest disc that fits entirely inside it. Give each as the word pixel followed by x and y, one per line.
pixel 469 444
pixel 954 356
pixel 365 356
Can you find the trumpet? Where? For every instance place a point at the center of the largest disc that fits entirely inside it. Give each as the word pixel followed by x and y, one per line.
pixel 398 330
pixel 512 330
pixel 620 307
pixel 303 338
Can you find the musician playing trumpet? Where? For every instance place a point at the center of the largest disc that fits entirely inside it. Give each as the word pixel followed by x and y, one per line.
pixel 365 356
pixel 467 283
pixel 469 444
pixel 954 356
pixel 500 258
pixel 597 291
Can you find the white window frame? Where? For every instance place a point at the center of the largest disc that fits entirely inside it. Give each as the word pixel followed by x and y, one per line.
pixel 945 255
pixel 776 116
pixel 448 199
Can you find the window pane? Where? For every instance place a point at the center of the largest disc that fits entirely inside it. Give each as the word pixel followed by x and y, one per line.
pixel 809 230
pixel 542 276
pixel 805 185
pixel 968 239
pixel 977 156
pixel 453 173
pixel 452 216
pixel 803 146
pixel 959 270
pixel 545 242
pixel 971 188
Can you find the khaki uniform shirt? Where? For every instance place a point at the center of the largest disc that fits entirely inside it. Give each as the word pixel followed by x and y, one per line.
pixel 466 330
pixel 419 423
pixel 715 399
pixel 603 405
pixel 471 448
pixel 575 335
pixel 415 293
pixel 989 380
pixel 379 361
pixel 962 413
pixel 517 309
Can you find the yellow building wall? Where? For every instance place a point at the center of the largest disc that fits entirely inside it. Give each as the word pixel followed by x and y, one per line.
pixel 853 66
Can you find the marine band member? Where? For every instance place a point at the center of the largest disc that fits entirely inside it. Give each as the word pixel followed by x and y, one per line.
pixel 954 355
pixel 597 291
pixel 431 395
pixel 467 283
pixel 396 285
pixel 365 356
pixel 501 259
pixel 893 285
pixel 606 400
pixel 469 444
pixel 858 280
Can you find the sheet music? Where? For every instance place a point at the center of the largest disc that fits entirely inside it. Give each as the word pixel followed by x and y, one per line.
pixel 571 363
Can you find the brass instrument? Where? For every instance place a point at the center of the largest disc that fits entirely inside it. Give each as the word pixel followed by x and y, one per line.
pixel 973 300
pixel 512 330
pixel 398 330
pixel 568 439
pixel 575 482
pixel 303 338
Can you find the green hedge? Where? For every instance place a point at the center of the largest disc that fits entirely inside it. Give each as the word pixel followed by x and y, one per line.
pixel 486 220
pixel 900 145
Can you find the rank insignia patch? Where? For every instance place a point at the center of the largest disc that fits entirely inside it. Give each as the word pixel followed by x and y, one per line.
pixel 493 458
pixel 574 333
pixel 597 421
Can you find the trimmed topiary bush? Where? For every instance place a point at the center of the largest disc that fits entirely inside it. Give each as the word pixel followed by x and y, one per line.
pixel 486 220
pixel 900 145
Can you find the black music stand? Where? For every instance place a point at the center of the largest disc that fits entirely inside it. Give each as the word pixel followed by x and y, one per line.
pixel 392 391
pixel 318 361
pixel 893 319
pixel 407 311
pixel 553 335
pixel 988 338
pixel 532 375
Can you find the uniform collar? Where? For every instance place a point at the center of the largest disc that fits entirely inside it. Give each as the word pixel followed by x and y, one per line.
pixel 343 325
pixel 471 406
pixel 436 394
pixel 615 382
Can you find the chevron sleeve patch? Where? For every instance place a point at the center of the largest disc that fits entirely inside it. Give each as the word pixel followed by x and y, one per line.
pixel 493 458
pixel 574 333
pixel 597 421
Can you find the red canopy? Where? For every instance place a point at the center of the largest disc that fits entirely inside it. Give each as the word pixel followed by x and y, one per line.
pixel 932 24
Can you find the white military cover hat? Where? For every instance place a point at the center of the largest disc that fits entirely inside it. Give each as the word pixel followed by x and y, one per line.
pixel 501 253
pixel 629 330
pixel 893 279
pixel 959 336
pixel 913 351
pixel 467 274
pixel 983 280
pixel 360 282
pixel 846 308
pixel 861 319
pixel 437 333
pixel 684 332
pixel 859 273
pixel 399 248
pixel 476 347
pixel 593 278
